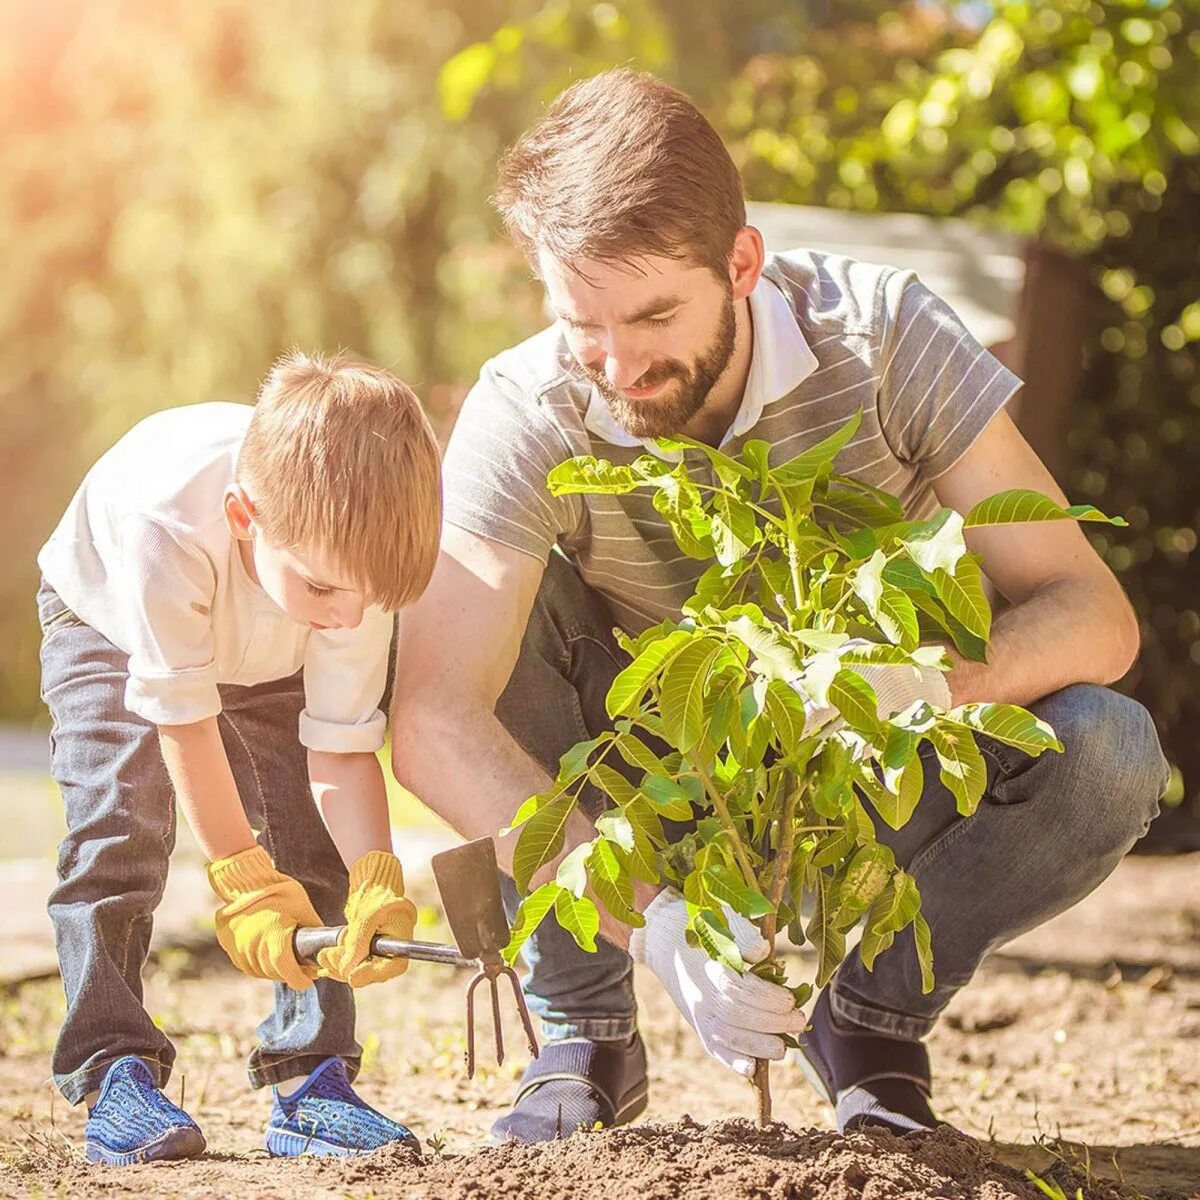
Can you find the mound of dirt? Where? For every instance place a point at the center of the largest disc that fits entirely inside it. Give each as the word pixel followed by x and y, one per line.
pixel 727 1160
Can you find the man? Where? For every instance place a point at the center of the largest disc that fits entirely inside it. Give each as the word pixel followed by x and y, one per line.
pixel 671 319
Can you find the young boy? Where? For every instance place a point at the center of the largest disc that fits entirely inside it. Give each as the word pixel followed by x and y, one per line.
pixel 216 608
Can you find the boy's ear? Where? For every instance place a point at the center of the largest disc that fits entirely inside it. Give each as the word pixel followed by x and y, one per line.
pixel 239 512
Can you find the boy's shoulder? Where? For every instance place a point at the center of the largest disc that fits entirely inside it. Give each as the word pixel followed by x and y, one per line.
pixel 173 466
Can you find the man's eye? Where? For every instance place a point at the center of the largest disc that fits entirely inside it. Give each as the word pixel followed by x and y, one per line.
pixel 319 591
pixel 660 322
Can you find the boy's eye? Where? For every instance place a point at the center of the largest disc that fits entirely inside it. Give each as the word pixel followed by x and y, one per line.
pixel 319 591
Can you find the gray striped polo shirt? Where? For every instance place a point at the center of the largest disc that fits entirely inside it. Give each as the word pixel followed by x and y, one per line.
pixel 832 336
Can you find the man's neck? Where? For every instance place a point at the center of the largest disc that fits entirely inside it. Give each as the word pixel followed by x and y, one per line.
pixel 712 422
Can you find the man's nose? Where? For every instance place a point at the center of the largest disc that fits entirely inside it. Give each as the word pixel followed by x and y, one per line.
pixel 625 363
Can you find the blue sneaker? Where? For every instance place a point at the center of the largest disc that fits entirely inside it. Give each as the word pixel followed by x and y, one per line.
pixel 133 1121
pixel 324 1116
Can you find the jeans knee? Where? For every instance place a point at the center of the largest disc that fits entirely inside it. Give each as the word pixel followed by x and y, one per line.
pixel 1111 748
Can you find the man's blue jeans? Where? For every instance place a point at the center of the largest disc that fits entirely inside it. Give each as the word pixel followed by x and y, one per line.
pixel 1048 831
pixel 112 864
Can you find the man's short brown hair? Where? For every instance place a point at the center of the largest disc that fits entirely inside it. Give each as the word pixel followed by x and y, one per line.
pixel 622 166
pixel 340 459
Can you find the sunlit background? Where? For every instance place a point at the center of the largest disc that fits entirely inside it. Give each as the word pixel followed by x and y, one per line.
pixel 187 189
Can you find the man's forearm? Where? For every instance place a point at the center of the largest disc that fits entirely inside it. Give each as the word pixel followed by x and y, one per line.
pixel 205 788
pixel 466 766
pixel 1067 632
pixel 350 793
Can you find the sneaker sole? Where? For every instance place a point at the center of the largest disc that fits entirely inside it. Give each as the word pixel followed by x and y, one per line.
pixel 178 1143
pixel 283 1143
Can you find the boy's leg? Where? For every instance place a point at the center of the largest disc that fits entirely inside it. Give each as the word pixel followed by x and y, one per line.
pixel 1048 831
pixel 259 729
pixel 112 864
pixel 554 699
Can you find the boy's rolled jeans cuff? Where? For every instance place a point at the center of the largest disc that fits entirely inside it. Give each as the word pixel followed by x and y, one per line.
pixel 595 1029
pixel 298 1066
pixel 854 1010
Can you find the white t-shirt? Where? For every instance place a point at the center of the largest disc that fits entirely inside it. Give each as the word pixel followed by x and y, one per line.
pixel 144 556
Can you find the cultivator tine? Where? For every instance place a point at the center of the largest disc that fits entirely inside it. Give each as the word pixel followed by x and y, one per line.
pixel 491 971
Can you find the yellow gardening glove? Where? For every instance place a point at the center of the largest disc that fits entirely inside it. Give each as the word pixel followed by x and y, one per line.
pixel 260 915
pixel 376 904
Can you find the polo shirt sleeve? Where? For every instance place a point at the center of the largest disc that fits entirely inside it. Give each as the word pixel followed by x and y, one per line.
pixel 345 671
pixel 494 471
pixel 938 387
pixel 166 590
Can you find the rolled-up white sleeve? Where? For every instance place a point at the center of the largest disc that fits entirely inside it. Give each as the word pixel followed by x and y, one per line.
pixel 345 671
pixel 167 590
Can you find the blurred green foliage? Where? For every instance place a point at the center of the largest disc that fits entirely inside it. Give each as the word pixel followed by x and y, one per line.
pixel 190 188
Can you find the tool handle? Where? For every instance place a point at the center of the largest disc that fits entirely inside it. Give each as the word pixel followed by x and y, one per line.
pixel 309 940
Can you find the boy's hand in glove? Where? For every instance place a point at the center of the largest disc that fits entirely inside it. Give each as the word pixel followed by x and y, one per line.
pixel 261 911
pixel 376 904
pixel 737 1018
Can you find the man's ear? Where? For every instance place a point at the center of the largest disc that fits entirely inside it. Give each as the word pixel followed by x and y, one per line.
pixel 746 261
pixel 239 512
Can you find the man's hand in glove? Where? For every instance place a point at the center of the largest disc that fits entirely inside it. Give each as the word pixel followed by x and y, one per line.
pixel 737 1018
pixel 376 904
pixel 261 911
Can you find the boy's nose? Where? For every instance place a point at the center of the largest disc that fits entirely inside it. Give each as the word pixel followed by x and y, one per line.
pixel 349 614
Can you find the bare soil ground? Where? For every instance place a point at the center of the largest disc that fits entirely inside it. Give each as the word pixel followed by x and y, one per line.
pixel 1078 1047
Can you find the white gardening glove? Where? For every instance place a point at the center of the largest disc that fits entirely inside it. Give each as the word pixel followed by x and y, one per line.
pixel 897 686
pixel 737 1018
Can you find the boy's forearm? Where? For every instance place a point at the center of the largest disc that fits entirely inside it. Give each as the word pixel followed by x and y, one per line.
pixel 205 788
pixel 351 796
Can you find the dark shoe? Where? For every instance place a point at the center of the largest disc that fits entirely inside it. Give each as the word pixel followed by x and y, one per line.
pixel 326 1117
pixel 869 1078
pixel 132 1120
pixel 577 1084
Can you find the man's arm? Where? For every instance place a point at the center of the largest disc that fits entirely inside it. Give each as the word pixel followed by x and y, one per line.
pixel 1069 620
pixel 456 650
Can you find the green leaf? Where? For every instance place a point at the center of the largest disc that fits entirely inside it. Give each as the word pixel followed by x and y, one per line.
pixel 574 763
pixel 817 460
pixel 714 938
pixel 937 544
pixel 774 655
pixel 572 871
pixel 580 917
pixel 855 699
pixel 963 595
pixel 728 470
pixel 867 582
pixel 679 501
pixel 723 884
pixel 586 473
pixel 962 767
pixel 1009 724
pixel 669 797
pixel 734 529
pixel 1021 505
pixel 631 683
pixel 616 827
pixel 906 575
pixel 612 783
pixel 612 884
pixel 530 915
pixel 924 943
pixel 897 619
pixel 756 455
pixel 785 711
pixel 895 805
pixel 541 839
pixel 894 908
pixel 968 644
pixel 867 875
pixel 681 697
pixel 637 754
pixel 825 937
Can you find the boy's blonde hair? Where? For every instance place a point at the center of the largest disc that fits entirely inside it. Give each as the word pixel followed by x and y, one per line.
pixel 339 458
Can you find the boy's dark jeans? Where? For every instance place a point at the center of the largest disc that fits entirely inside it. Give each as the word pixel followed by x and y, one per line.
pixel 112 864
pixel 1047 832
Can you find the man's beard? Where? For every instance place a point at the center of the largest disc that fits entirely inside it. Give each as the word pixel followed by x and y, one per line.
pixel 668 414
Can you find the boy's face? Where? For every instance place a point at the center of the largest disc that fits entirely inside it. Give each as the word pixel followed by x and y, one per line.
pixel 307 585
